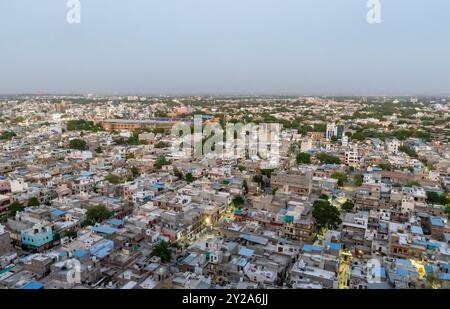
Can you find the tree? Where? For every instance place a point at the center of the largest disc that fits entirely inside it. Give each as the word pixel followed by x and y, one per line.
pixel 436 198
pixel 258 179
pixel 238 201
pixel 347 206
pixel 408 150
pixel 358 180
pixel 97 214
pixel 324 197
pixel 162 144
pixel 78 144
pixel 159 130
pixel 162 250
pixel 81 124
pixel 341 178
pixel 328 159
pixel 326 215
pixel 98 149
pixel 19 119
pixel 334 138
pixel 7 135
pixel 413 183
pixel 267 172
pixel 177 173
pixel 303 158
pixel 385 166
pixel 161 161
pixel 134 171
pixel 114 179
pixel 245 186
pixel 241 168
pixel 14 208
pixel 447 210
pixel 71 234
pixel 33 202
pixel 189 177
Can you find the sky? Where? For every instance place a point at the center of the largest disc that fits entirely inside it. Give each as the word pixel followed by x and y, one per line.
pixel 283 47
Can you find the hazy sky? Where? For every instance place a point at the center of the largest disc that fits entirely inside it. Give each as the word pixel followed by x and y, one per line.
pixel 225 46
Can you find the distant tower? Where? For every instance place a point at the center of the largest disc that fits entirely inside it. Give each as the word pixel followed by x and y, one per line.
pixel 61 107
pixel 331 130
pixel 340 131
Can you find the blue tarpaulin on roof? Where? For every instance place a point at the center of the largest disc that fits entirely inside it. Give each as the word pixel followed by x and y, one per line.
pixel 309 248
pixel 33 285
pixel 57 212
pixel 244 251
pixel 104 229
pixel 334 246
pixel 115 222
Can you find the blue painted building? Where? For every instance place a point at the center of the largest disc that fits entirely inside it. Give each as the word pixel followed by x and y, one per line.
pixel 37 236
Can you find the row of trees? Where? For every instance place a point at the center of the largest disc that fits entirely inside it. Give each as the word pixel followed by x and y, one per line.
pixel 16 206
pixel 305 158
pixel 83 125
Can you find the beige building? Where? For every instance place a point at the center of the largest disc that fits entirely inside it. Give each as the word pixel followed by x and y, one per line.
pixel 299 182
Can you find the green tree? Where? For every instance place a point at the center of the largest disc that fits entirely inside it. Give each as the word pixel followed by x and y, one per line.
pixel 7 135
pixel 408 150
pixel 19 119
pixel 267 172
pixel 97 214
pixel 78 144
pixel 341 178
pixel 303 158
pixel 238 201
pixel 162 250
pixel 161 161
pixel 114 179
pixel 158 130
pixel 241 168
pixel 326 215
pixel 436 198
pixel 189 178
pixel 245 186
pixel 258 179
pixel 385 166
pixel 98 149
pixel 82 125
pixel 324 197
pixel 328 159
pixel 71 233
pixel 162 144
pixel 413 183
pixel 447 210
pixel 134 171
pixel 177 173
pixel 33 202
pixel 14 208
pixel 129 156
pixel 347 206
pixel 358 180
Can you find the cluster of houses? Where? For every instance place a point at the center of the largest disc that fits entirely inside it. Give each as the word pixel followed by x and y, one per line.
pixel 122 212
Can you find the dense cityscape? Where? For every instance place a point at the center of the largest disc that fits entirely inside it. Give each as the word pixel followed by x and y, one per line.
pixel 93 195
